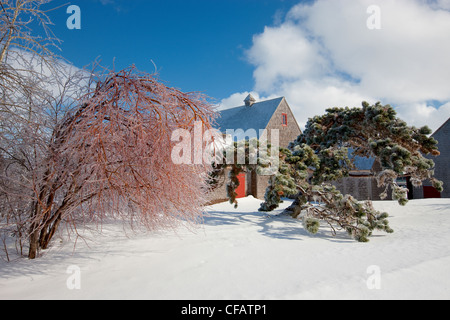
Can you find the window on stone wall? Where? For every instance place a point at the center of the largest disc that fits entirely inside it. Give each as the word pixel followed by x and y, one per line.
pixel 284 120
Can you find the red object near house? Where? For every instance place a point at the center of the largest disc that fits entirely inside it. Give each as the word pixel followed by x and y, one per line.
pixel 430 193
pixel 241 189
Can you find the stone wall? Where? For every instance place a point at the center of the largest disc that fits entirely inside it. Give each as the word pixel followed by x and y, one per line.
pixel 360 187
pixel 287 133
pixel 220 193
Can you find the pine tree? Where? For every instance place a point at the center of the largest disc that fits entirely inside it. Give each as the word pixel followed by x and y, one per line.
pixel 324 152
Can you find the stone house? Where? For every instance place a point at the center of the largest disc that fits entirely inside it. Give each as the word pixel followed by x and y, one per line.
pixel 245 122
pixel 442 170
pixel 361 183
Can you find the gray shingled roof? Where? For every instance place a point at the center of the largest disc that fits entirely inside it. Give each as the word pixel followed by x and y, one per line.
pixel 255 117
pixel 441 127
pixel 361 163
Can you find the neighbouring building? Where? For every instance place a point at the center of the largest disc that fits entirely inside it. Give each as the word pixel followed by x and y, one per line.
pixel 362 183
pixel 442 169
pixel 246 122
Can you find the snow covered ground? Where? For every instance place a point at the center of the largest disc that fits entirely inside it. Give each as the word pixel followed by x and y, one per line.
pixel 243 254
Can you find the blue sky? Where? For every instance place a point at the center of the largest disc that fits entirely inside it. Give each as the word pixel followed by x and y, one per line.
pixel 316 53
pixel 197 45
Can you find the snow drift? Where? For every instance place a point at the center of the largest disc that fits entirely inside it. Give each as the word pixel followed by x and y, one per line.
pixel 243 254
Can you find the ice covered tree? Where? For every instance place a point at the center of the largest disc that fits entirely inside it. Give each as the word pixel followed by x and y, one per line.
pixel 111 158
pixel 325 152
pixel 80 148
pixel 35 89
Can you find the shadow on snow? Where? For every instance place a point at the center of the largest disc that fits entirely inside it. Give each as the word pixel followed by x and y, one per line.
pixel 274 225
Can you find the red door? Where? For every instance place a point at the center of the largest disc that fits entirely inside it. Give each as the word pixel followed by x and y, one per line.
pixel 241 189
pixel 430 192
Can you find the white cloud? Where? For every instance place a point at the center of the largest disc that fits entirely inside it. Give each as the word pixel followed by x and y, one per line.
pixel 419 114
pixel 324 55
pixel 441 4
pixel 310 98
pixel 405 61
pixel 237 99
pixel 283 54
pixel 54 81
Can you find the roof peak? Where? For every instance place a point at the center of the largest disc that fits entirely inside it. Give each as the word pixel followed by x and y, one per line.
pixel 442 126
pixel 250 100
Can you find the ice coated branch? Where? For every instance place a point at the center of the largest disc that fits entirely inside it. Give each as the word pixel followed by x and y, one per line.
pixel 112 157
pixel 324 153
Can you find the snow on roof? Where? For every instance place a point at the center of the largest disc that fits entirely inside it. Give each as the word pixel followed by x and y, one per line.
pixel 256 117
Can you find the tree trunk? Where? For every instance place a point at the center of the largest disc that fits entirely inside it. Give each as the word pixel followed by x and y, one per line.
pixel 42 231
pixel 34 245
pixel 48 232
pixel 294 209
pixel 41 237
pixel 34 230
